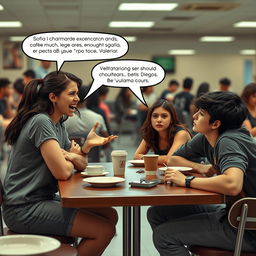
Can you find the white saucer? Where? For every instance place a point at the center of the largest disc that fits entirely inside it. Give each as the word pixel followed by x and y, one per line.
pixel 139 162
pixel 179 168
pixel 103 182
pixel 27 245
pixel 85 173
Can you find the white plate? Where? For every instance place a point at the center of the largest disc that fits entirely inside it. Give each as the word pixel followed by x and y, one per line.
pixel 179 168
pixel 85 173
pixel 103 182
pixel 27 245
pixel 139 162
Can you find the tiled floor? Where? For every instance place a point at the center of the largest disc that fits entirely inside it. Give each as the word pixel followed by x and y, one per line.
pixel 126 142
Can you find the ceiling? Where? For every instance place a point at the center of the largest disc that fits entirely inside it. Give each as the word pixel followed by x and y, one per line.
pixel 177 29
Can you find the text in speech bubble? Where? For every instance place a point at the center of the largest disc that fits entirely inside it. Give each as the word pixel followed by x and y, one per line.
pixel 74 46
pixel 127 73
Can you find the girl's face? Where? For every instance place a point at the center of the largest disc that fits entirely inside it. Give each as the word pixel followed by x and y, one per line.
pixel 67 101
pixel 160 119
pixel 252 100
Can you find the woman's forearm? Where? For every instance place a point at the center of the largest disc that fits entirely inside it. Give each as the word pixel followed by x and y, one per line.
pixel 79 162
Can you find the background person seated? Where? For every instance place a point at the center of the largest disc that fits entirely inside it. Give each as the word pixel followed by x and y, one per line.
pixel 169 93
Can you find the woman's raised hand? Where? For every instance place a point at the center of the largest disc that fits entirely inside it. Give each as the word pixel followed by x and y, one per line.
pixel 93 139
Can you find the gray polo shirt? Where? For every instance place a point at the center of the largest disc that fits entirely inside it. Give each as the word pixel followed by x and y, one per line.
pixel 233 148
pixel 28 178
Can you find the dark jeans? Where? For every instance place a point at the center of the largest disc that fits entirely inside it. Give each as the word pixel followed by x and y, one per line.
pixel 204 225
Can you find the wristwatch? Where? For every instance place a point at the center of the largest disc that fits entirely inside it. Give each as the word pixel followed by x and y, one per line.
pixel 188 180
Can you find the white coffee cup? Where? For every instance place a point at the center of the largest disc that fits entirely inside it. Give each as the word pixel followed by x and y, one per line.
pixel 95 169
pixel 119 162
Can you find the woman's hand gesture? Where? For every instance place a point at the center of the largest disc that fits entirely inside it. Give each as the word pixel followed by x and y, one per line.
pixel 93 139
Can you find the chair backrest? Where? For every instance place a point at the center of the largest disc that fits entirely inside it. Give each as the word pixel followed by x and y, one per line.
pixel 234 215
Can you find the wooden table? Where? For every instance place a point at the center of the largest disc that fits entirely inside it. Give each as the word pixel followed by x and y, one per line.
pixel 78 194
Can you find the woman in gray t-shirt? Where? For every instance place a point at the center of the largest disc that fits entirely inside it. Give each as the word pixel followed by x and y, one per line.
pixel 41 155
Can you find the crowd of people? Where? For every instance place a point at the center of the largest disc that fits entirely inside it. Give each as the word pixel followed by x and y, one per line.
pixel 44 116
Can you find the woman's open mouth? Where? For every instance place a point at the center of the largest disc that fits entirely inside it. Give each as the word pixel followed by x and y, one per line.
pixel 73 107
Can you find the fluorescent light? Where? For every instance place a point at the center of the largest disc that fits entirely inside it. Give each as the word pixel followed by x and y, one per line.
pixel 1 7
pixel 217 38
pixel 245 24
pixel 10 24
pixel 130 38
pixel 131 24
pixel 17 38
pixel 147 7
pixel 248 52
pixel 181 52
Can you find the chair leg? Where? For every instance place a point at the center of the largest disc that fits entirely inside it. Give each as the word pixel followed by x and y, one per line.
pixel 240 232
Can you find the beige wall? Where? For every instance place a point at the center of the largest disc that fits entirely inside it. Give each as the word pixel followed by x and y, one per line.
pixel 202 68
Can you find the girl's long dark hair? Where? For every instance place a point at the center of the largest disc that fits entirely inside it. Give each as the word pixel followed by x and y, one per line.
pixel 36 100
pixel 150 135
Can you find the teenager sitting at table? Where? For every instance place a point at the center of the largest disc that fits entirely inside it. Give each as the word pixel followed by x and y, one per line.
pixel 161 132
pixel 41 155
pixel 231 151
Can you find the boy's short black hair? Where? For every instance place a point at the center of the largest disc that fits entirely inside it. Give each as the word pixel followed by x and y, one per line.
pixel 173 82
pixel 30 73
pixel 225 81
pixel 187 83
pixel 18 85
pixel 103 90
pixel 82 92
pixel 4 82
pixel 224 106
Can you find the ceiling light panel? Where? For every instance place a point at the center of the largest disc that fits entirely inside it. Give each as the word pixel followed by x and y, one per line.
pixel 181 52
pixel 1 7
pixel 248 52
pixel 147 6
pixel 130 38
pixel 217 38
pixel 10 24
pixel 17 38
pixel 245 24
pixel 131 24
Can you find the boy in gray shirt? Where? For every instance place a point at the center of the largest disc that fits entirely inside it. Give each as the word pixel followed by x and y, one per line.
pixel 231 152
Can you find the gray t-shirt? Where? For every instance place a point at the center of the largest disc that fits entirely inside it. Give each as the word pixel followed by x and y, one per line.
pixel 80 126
pixel 233 148
pixel 28 178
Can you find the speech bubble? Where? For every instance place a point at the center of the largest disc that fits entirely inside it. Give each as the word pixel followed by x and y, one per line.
pixel 74 46
pixel 127 73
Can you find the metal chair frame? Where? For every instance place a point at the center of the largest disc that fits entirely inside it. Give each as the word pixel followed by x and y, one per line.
pixel 242 216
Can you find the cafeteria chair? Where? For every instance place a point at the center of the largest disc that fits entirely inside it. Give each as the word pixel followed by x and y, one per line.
pixel 242 216
pixel 68 244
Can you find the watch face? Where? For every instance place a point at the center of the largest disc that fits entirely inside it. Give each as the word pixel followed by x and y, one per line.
pixel 190 177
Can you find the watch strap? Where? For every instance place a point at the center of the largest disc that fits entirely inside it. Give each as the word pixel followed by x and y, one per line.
pixel 188 181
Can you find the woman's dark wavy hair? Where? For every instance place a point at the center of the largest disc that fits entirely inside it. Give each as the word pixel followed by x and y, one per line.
pixel 150 135
pixel 36 100
pixel 248 90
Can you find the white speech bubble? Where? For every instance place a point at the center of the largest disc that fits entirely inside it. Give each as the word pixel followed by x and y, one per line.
pixel 74 46
pixel 127 73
